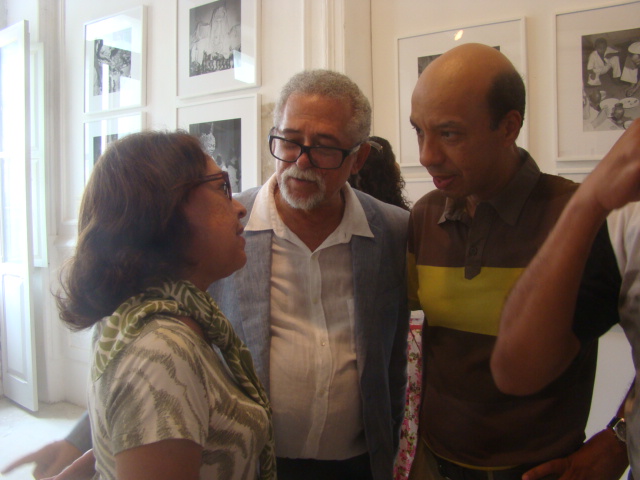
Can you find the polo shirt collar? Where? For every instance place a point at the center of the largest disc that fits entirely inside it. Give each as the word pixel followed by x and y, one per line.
pixel 509 202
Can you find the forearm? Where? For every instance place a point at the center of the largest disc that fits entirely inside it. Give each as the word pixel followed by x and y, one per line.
pixel 80 435
pixel 535 341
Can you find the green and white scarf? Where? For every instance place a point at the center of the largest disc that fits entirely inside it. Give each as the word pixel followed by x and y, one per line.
pixel 184 299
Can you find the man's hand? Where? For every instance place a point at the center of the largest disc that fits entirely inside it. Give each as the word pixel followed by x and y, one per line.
pixel 616 179
pixel 84 468
pixel 49 460
pixel 602 457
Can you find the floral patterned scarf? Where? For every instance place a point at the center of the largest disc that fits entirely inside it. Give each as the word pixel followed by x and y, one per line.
pixel 184 299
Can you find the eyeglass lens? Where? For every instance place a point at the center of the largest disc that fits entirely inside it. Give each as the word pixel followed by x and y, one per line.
pixel 321 157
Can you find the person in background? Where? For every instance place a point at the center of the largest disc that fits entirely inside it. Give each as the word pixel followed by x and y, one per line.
pixel 52 458
pixel 380 175
pixel 537 341
pixel 157 226
pixel 631 67
pixel 602 60
pixel 468 242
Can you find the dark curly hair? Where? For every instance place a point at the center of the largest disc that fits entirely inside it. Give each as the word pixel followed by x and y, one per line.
pixel 132 230
pixel 380 176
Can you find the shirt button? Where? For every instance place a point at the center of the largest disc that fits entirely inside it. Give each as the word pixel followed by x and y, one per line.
pixel 323 343
pixel 473 251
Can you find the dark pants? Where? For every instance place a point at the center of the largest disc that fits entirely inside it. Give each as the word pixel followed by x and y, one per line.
pixel 356 468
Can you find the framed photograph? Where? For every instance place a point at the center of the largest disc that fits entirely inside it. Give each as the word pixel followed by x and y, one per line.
pixel 217 46
pixel 416 52
pixel 597 89
pixel 114 62
pixel 98 134
pixel 228 130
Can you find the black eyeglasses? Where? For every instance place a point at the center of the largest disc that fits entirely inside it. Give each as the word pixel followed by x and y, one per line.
pixel 211 178
pixel 328 158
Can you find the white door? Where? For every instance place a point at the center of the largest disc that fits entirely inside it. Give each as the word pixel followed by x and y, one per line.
pixel 16 253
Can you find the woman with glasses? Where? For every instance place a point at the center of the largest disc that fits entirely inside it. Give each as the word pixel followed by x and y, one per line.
pixel 173 391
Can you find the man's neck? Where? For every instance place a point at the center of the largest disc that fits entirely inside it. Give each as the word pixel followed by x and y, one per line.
pixel 311 226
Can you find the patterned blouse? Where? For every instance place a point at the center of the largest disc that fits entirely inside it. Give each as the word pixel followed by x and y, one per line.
pixel 169 383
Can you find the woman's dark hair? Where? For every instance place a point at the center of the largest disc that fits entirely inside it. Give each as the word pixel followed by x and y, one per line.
pixel 132 230
pixel 380 176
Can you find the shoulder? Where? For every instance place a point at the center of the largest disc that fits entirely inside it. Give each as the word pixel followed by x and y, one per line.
pixel 434 198
pixel 429 208
pixel 375 210
pixel 248 197
pixel 166 336
pixel 553 190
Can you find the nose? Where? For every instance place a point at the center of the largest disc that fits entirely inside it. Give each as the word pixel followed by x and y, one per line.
pixel 304 162
pixel 430 152
pixel 242 211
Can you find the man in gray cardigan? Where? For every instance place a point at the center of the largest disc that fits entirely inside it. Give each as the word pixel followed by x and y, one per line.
pixel 321 303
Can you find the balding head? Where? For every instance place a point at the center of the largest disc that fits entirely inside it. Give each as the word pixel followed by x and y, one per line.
pixel 478 72
pixel 467 110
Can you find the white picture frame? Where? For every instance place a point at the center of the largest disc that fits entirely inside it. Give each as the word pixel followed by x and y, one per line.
pixel 114 59
pixel 584 130
pixel 228 130
pixel 217 46
pixel 98 134
pixel 416 51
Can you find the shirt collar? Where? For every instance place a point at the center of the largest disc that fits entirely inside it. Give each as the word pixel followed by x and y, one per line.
pixel 264 215
pixel 509 202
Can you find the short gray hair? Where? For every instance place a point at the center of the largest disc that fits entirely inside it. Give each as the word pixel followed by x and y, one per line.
pixel 331 84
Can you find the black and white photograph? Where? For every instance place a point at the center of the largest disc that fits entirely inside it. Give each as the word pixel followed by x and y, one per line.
pixel 217 44
pixel 214 36
pixel 423 62
pixel 610 82
pixel 98 134
pixel 114 62
pixel 597 91
pixel 222 140
pixel 110 64
pixel 228 130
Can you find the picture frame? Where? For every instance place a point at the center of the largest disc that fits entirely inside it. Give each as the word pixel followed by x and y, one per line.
pixel 114 59
pixel 591 81
pixel 98 134
pixel 217 47
pixel 417 51
pixel 229 131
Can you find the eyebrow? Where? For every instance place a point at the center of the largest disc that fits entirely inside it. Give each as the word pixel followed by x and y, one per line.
pixel 439 126
pixel 321 136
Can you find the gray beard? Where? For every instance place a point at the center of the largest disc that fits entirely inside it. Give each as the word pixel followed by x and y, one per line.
pixel 307 203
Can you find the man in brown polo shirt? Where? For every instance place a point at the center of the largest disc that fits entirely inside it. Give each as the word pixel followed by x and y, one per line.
pixel 469 240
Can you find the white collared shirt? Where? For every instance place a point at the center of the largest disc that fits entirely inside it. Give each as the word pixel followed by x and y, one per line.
pixel 315 391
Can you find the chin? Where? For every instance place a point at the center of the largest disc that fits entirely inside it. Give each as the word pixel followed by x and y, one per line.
pixel 306 203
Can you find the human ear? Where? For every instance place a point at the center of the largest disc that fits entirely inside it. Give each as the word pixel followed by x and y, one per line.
pixel 511 124
pixel 361 157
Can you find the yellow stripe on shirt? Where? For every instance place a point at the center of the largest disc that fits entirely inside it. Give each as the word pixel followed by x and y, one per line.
pixel 450 300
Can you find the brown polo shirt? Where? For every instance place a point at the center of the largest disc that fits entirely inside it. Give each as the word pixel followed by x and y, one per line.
pixel 461 270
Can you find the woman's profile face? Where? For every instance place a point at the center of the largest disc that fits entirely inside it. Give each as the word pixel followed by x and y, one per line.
pixel 216 244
